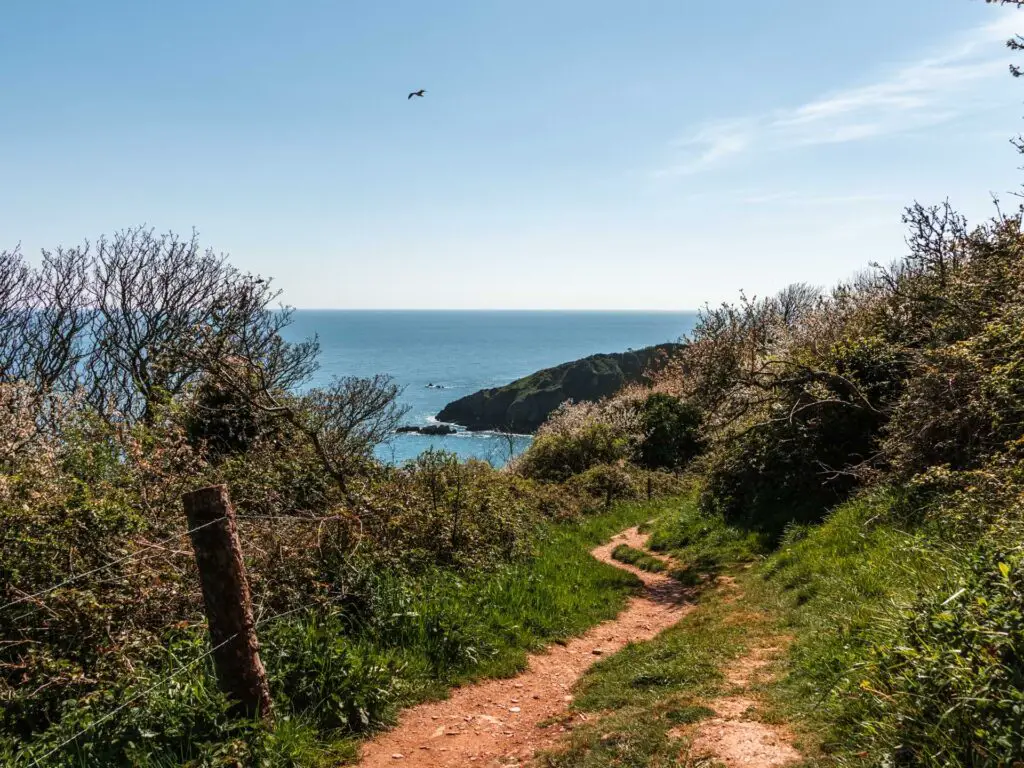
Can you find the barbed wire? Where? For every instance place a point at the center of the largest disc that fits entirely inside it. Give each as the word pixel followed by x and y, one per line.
pixel 102 568
pixel 292 518
pixel 134 698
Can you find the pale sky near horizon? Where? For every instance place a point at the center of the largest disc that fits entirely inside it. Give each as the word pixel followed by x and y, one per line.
pixel 568 154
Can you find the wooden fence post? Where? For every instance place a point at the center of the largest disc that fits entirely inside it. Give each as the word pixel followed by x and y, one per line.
pixel 240 673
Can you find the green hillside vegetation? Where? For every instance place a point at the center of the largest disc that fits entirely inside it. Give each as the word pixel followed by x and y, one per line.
pixel 838 473
pixel 526 403
pixel 853 460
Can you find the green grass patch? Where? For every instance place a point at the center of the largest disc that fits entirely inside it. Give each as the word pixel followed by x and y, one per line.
pixel 642 560
pixel 906 646
pixel 648 689
pixel 705 544
pixel 685 658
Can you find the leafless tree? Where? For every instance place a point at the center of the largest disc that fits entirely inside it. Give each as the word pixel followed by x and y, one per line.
pixel 348 418
pixel 167 311
pixel 61 318
pixel 16 299
pixel 796 302
pixel 162 315
pixel 44 319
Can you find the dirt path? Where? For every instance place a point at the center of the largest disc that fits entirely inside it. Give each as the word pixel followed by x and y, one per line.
pixel 495 723
pixel 734 737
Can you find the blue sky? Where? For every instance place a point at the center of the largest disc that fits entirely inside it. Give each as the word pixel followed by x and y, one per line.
pixel 569 154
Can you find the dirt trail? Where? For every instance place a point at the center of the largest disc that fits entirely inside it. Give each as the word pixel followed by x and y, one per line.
pixel 733 737
pixel 495 723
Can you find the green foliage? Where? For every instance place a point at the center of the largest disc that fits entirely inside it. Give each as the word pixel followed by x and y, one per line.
pixel 221 422
pixel 907 649
pixel 794 467
pixel 342 668
pixel 703 543
pixel 671 432
pixel 606 481
pixel 947 686
pixel 558 456
pixel 172 709
pixel 345 683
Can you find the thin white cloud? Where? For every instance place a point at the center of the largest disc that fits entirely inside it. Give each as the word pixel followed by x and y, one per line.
pixel 713 142
pixel 929 92
pixel 804 199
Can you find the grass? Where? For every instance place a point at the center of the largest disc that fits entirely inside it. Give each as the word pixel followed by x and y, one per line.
pixel 705 545
pixel 872 641
pixel 645 693
pixel 844 591
pixel 642 560
pixel 903 645
pixel 335 677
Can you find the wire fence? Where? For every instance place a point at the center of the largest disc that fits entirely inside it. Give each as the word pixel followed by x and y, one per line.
pixel 99 569
pixel 150 551
pixel 132 700
pixel 164 681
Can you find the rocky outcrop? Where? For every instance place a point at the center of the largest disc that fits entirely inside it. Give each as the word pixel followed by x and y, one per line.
pixel 526 403
pixel 429 429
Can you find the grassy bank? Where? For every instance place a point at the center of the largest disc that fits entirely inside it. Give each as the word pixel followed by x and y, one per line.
pixel 349 672
pixel 907 642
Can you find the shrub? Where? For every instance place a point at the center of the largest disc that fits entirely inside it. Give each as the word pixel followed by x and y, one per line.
pixel 770 477
pixel 557 456
pixel 671 432
pixel 220 421
pixel 606 481
pixel 948 687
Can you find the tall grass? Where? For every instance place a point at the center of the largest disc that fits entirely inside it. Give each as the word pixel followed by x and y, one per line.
pixel 907 646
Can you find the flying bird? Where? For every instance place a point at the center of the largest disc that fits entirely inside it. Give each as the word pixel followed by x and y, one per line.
pixel 421 93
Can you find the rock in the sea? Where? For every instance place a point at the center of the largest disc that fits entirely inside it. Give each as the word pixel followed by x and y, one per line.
pixel 438 429
pixel 526 403
pixel 429 429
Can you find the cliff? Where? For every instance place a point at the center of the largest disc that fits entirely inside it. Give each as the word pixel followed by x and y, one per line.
pixel 525 404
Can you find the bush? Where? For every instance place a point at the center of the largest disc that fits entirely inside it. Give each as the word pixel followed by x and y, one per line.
pixel 671 432
pixel 606 481
pixel 948 687
pixel 221 422
pixel 557 456
pixel 770 477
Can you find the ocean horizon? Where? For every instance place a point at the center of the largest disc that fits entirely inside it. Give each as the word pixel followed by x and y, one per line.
pixel 460 351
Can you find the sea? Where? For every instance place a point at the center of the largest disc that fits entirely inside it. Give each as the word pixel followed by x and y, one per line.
pixel 440 356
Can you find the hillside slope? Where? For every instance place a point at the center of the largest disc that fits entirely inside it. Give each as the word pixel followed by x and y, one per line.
pixel 525 404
